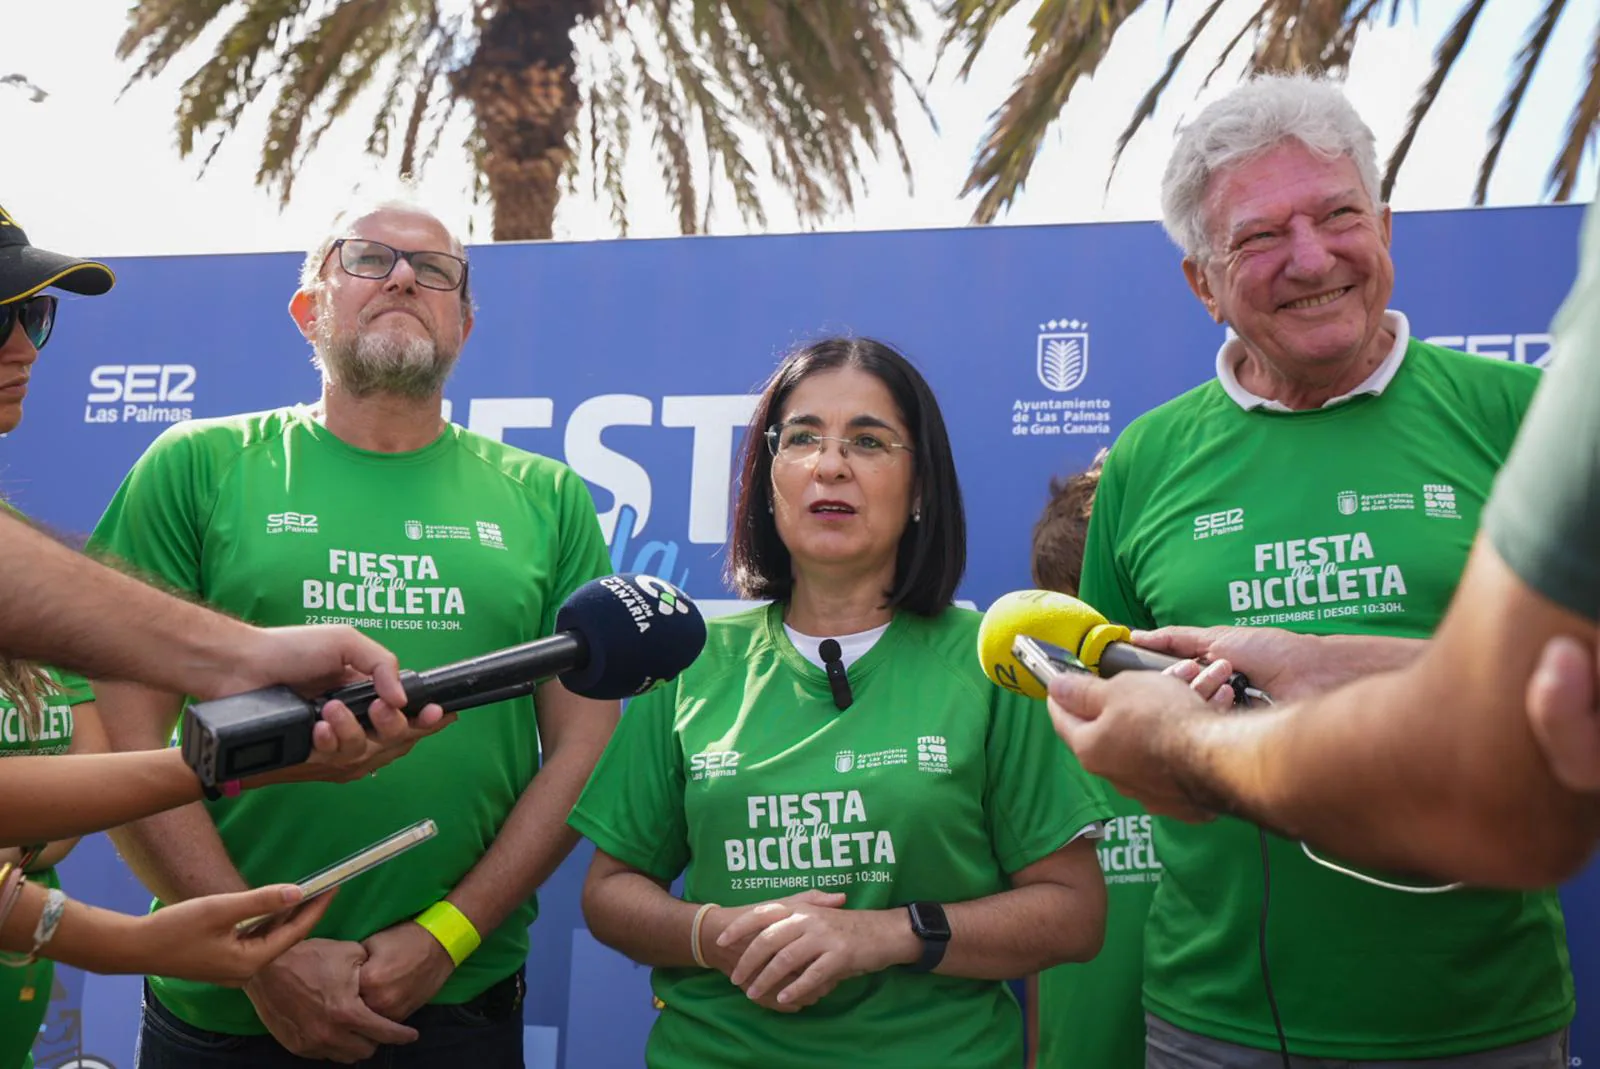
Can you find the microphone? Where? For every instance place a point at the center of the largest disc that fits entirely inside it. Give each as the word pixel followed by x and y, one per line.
pixel 616 636
pixel 833 664
pixel 1100 646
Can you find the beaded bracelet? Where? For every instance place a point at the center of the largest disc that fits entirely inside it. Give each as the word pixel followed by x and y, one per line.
pixel 55 905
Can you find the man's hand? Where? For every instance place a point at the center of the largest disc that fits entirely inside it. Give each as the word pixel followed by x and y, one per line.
pixel 405 967
pixel 1125 728
pixel 342 751
pixel 801 951
pixel 311 659
pixel 315 659
pixel 310 1001
pixel 1283 663
pixel 1563 714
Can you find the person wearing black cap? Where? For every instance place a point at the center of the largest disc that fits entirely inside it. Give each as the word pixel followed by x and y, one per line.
pixel 50 798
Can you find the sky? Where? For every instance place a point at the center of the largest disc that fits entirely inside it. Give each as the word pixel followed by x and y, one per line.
pixel 93 170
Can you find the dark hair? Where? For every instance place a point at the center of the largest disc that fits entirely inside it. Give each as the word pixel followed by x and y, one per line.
pixel 1062 531
pixel 932 553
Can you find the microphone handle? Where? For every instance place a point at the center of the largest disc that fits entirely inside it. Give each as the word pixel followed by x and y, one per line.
pixel 1126 657
pixel 493 677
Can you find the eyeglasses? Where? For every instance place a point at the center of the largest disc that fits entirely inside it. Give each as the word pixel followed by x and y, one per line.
pixel 36 314
pixel 796 443
pixel 375 260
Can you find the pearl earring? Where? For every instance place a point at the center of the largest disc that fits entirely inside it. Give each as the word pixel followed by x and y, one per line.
pixel 916 514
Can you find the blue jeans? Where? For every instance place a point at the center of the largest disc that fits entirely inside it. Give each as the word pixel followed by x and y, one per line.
pixel 1170 1047
pixel 485 1033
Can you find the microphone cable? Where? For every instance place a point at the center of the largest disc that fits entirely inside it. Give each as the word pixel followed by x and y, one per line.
pixel 1247 698
pixel 1266 907
pixel 1261 942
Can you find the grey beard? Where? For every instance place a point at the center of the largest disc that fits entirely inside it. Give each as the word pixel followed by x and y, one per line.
pixel 366 364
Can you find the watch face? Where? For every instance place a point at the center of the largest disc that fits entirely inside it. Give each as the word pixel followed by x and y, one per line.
pixel 928 920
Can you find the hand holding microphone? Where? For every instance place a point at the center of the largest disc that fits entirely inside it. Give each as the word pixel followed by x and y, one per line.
pixel 1095 643
pixel 616 636
pixel 1125 730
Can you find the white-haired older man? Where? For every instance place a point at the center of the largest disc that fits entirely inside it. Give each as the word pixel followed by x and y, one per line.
pixel 1357 459
pixel 366 507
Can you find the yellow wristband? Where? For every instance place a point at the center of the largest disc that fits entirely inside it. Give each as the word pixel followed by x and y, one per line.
pixel 450 926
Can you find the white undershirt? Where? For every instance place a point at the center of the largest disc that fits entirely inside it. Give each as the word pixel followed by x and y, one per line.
pixel 852 648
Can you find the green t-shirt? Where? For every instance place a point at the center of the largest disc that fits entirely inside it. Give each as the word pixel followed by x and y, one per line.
pixel 1544 517
pixel 1351 519
pixel 25 992
pixel 933 785
pixel 459 548
pixel 1090 1014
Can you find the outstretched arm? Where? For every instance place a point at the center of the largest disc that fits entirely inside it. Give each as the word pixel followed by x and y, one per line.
pixel 1435 767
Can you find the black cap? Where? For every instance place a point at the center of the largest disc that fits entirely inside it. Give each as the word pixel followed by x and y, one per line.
pixel 26 269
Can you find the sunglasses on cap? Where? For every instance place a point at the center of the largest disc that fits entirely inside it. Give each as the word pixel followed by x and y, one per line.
pixel 36 314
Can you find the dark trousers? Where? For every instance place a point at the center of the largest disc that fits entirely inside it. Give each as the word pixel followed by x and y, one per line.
pixel 485 1033
pixel 1170 1047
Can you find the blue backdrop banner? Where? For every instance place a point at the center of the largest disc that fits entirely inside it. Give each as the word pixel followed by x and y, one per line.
pixel 636 363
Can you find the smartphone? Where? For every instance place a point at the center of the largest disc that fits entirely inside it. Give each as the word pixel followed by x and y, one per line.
pixel 1044 660
pixel 327 879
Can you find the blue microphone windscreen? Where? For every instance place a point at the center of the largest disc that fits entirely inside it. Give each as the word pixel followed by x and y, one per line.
pixel 640 630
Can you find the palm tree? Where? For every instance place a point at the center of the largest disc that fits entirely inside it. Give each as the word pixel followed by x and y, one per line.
pixel 1071 37
pixel 811 80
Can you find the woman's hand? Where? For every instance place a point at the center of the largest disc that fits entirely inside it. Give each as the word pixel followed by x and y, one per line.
pixel 799 951
pixel 724 954
pixel 198 940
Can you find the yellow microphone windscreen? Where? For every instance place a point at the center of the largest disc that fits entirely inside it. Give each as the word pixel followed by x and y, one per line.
pixel 1042 614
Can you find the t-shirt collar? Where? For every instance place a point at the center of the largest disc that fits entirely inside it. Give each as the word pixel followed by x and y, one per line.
pixel 1232 352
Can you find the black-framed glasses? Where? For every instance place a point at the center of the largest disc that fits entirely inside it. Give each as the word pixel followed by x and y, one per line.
pixel 796 442
pixel 364 258
pixel 36 314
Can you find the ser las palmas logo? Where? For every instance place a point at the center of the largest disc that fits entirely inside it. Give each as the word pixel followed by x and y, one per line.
pixel 1063 354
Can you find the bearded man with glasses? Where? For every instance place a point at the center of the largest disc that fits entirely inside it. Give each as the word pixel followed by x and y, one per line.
pixel 366 507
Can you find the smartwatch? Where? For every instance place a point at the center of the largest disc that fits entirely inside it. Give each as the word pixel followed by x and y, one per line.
pixel 929 924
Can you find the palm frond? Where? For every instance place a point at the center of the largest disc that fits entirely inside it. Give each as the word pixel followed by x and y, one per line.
pixel 973 21
pixel 666 111
pixel 1068 43
pixel 1343 44
pixel 1252 25
pixel 1580 130
pixel 813 80
pixel 1528 59
pixel 1444 58
pixel 1147 105
pixel 340 53
pixel 163 28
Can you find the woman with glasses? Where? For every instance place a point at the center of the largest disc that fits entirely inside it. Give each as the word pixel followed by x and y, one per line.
pixel 52 789
pixel 870 834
